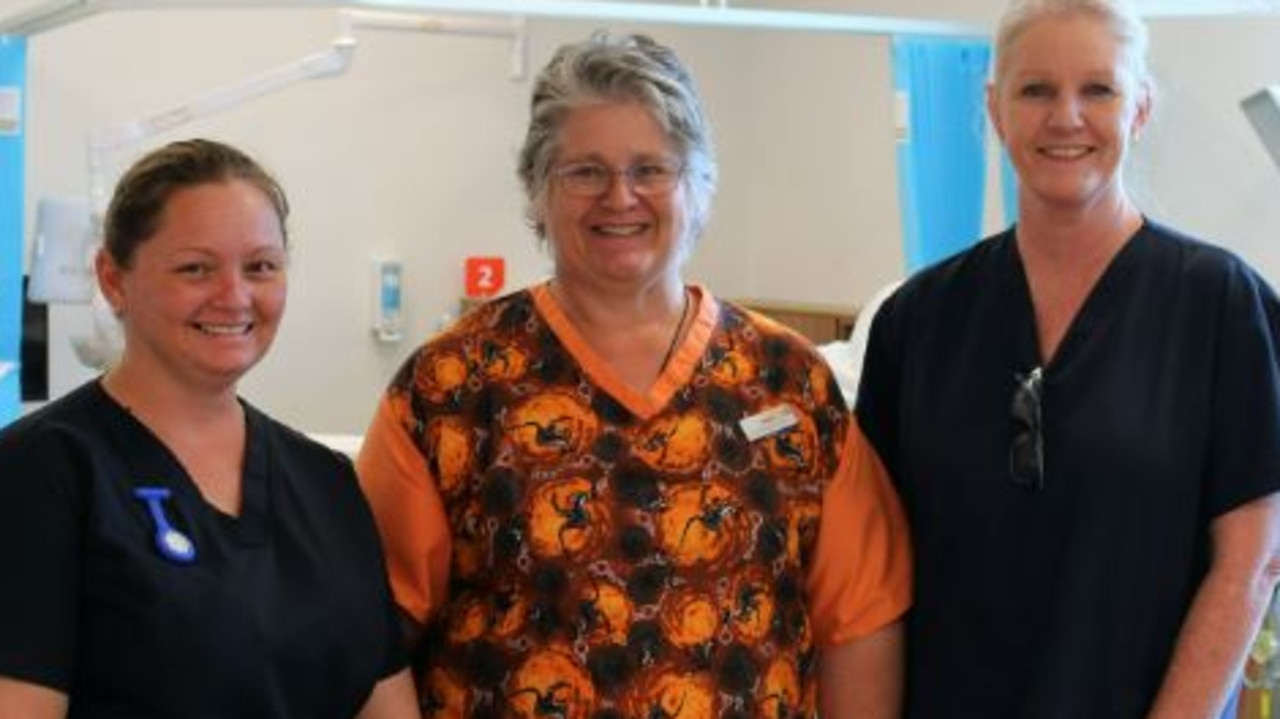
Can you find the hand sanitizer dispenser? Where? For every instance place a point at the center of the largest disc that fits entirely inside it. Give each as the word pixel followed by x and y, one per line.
pixel 388 309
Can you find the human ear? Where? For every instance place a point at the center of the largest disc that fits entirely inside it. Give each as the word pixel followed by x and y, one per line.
pixel 1142 113
pixel 109 276
pixel 993 110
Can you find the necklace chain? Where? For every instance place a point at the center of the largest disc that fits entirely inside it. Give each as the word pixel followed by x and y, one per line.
pixel 675 336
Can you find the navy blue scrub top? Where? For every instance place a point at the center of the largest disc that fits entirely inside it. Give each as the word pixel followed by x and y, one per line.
pixel 1161 411
pixel 284 612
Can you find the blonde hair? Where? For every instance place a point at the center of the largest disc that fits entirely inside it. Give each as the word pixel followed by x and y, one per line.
pixel 1118 15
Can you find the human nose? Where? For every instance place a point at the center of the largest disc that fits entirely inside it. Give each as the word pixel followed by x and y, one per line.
pixel 233 287
pixel 621 188
pixel 1066 111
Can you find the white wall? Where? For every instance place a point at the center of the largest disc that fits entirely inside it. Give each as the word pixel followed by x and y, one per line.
pixel 410 154
pixel 1201 167
pixel 395 158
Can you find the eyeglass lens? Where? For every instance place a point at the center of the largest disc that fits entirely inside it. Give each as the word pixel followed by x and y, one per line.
pixel 1026 451
pixel 594 180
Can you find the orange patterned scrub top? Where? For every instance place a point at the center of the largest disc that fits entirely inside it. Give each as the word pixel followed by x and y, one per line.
pixel 577 549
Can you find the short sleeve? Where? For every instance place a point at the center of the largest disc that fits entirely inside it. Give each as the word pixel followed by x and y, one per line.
pixel 408 510
pixel 40 536
pixel 394 655
pixel 860 579
pixel 1244 461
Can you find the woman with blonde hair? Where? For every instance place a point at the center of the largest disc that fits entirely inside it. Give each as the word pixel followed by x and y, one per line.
pixel 1082 416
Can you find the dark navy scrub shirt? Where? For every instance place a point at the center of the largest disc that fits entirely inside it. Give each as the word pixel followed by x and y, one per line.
pixel 284 611
pixel 1161 411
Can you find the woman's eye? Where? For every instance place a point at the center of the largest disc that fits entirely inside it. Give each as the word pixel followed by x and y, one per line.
pixel 1099 90
pixel 650 172
pixel 1036 90
pixel 589 173
pixel 194 269
pixel 263 267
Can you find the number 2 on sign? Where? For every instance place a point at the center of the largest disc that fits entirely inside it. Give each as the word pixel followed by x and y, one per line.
pixel 484 276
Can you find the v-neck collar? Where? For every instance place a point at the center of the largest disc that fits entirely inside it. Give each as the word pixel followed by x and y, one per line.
pixel 1093 310
pixel 145 454
pixel 677 373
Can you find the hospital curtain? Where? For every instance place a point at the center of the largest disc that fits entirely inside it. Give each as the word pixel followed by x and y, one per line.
pixel 941 143
pixel 13 72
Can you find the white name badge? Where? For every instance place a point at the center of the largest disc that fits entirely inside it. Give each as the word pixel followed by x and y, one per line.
pixel 770 421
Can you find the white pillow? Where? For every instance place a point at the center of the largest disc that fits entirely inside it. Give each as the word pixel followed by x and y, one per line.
pixel 845 356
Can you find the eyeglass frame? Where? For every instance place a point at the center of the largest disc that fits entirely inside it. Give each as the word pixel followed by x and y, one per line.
pixel 1026 448
pixel 564 177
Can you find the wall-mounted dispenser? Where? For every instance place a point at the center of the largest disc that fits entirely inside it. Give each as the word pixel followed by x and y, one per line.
pixel 388 295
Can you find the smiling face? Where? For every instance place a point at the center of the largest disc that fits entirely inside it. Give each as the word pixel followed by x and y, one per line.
pixel 202 297
pixel 1067 107
pixel 620 238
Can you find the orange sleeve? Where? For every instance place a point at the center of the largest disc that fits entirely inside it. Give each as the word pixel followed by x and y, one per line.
pixel 860 579
pixel 407 507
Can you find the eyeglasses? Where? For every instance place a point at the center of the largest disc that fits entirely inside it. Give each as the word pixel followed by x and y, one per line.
pixel 1026 451
pixel 591 179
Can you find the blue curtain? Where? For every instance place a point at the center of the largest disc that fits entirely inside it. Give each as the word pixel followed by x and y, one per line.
pixel 13 74
pixel 942 147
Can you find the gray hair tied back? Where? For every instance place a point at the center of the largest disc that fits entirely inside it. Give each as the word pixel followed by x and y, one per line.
pixel 619 68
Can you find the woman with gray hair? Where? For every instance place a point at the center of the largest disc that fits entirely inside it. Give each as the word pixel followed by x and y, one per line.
pixel 611 494
pixel 1082 414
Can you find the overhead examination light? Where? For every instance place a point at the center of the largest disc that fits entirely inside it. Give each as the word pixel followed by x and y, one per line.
pixel 69 232
pixel 104 141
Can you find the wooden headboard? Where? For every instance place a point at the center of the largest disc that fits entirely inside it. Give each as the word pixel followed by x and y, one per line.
pixel 819 322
